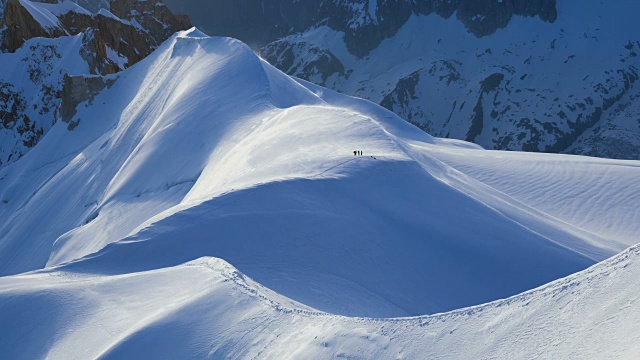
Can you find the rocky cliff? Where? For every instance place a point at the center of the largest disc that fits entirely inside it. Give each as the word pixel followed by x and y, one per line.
pixel 43 42
pixel 129 32
pixel 21 26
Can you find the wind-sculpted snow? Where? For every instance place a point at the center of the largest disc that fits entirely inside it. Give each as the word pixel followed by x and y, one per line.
pixel 577 190
pixel 203 150
pixel 208 309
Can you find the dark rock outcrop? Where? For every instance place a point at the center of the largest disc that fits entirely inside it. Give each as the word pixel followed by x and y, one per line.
pixel 13 118
pixel 484 17
pixel 132 32
pixel 488 85
pixel 93 5
pixel 21 26
pixel 110 43
pixel 154 17
pixel 78 89
pixel 256 22
pixel 320 64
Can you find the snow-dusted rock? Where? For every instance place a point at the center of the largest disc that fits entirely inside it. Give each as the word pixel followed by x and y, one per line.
pixel 42 42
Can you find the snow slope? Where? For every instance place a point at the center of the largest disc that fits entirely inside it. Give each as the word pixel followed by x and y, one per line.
pixel 572 189
pixel 203 150
pixel 208 309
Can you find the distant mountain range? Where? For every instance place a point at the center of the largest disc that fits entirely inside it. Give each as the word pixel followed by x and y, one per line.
pixel 510 75
pixel 545 75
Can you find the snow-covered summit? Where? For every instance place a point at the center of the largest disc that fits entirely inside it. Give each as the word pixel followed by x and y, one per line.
pixel 203 150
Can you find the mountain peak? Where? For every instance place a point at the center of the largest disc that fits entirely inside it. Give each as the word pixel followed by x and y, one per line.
pixel 167 194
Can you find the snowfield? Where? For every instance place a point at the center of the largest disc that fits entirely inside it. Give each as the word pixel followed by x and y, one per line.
pixel 207 205
pixel 208 309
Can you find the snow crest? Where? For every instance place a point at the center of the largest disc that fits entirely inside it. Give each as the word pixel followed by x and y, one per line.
pixel 206 196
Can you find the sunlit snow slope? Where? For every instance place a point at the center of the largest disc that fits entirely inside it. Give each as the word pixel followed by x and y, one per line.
pixel 208 309
pixel 202 150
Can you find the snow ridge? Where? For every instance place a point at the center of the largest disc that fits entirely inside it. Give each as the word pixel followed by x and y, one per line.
pixel 206 196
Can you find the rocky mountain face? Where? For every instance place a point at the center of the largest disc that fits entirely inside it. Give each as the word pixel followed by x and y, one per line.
pixel 532 75
pixel 94 5
pixel 46 44
pixel 132 28
pixel 365 23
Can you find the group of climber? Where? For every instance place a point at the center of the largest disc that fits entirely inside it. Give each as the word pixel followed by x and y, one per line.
pixel 359 153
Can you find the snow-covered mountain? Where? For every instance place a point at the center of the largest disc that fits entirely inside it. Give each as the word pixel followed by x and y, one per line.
pixel 205 204
pixel 42 43
pixel 550 76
